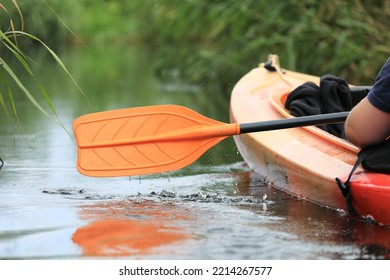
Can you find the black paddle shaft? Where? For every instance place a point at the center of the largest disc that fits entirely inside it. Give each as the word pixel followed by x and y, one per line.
pixel 293 122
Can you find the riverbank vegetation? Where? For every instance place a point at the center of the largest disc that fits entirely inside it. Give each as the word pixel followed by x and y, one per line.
pixel 216 42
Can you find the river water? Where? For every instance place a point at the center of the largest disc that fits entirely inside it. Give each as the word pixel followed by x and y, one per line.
pixel 214 209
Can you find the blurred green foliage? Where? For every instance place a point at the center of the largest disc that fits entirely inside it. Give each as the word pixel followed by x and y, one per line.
pixel 16 65
pixel 216 42
pixel 40 17
pixel 346 38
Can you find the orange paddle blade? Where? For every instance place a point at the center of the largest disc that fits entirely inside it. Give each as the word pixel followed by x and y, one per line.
pixel 144 140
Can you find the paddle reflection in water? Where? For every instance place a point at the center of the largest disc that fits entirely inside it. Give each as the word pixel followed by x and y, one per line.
pixel 129 228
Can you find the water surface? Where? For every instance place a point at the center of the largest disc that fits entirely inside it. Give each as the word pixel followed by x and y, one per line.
pixel 213 209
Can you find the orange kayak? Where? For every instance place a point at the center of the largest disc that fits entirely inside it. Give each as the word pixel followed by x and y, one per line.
pixel 302 161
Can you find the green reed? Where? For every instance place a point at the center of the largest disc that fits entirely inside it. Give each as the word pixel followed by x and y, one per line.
pixel 12 57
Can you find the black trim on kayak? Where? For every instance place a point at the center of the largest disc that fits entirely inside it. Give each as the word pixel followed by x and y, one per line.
pixel 269 67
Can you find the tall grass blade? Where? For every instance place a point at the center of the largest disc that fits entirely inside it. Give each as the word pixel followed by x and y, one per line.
pixel 56 58
pixel 10 72
pixel 20 14
pixel 16 51
pixel 23 58
pixel 30 96
pixel 62 21
pixel 11 46
pixel 2 100
pixel 13 105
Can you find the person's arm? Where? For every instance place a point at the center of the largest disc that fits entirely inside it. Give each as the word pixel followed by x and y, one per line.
pixel 366 124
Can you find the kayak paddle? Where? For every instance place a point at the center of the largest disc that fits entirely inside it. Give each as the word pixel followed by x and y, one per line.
pixel 154 139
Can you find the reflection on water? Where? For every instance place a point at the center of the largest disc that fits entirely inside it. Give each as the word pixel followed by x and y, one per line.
pixel 213 209
pixel 124 228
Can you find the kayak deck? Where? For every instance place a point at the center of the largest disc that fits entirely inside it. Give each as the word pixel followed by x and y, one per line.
pixel 303 161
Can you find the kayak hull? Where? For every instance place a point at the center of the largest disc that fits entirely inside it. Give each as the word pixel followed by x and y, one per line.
pixel 302 161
